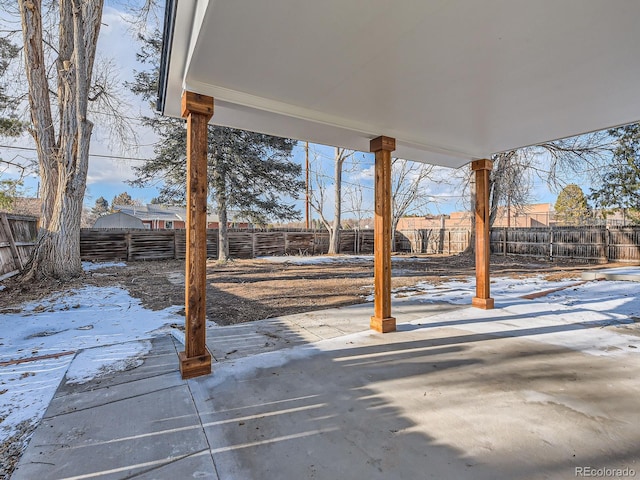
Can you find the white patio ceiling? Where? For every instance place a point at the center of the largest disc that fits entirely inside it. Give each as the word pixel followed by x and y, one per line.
pixel 451 80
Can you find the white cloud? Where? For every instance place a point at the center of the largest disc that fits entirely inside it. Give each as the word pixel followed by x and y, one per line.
pixel 108 170
pixel 366 174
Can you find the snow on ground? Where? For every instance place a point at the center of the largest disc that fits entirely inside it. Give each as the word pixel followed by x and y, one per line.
pixel 65 323
pixel 317 260
pixel 593 317
pixel 622 270
pixel 460 292
pixel 323 259
pixel 89 266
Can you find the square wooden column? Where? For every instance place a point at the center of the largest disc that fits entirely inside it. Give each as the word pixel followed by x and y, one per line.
pixel 196 359
pixel 482 169
pixel 382 321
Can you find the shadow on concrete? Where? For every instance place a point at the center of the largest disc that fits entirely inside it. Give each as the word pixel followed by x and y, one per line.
pixel 429 401
pixel 425 402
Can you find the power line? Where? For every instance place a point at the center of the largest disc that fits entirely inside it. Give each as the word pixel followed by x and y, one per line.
pixel 315 172
pixel 97 155
pixel 367 187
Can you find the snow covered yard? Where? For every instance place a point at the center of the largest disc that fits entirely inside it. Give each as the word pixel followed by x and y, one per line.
pixel 38 343
pixel 105 329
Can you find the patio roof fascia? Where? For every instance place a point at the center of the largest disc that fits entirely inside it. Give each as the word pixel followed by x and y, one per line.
pixel 165 54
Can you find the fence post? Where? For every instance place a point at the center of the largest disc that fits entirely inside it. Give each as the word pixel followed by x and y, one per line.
pixel 286 242
pixel 175 245
pixel 607 243
pixel 253 243
pixel 551 243
pixel 127 242
pixel 504 242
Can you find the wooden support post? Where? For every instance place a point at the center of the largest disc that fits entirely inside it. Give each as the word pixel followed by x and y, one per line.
pixel 196 359
pixel 483 252
pixel 382 321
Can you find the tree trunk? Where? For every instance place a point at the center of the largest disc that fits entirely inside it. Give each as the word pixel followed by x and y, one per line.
pixel 394 228
pixel 334 231
pixel 223 234
pixel 471 248
pixel 63 161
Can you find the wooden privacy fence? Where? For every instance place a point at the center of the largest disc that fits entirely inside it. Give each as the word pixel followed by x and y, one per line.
pixel 119 244
pixel 599 244
pixel 17 239
pixel 594 244
pixel 436 240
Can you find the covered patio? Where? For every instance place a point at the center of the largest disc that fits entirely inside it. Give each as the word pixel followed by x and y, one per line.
pixel 439 81
pixel 533 390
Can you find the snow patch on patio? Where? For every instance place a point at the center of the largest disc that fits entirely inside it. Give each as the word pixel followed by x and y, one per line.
pixel 64 324
pixel 246 367
pixel 95 362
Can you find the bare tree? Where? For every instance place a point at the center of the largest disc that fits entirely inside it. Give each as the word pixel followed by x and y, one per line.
pixel 408 189
pixel 318 191
pixel 354 199
pixel 64 77
pixel 510 184
pixel 319 196
pixel 63 155
pixel 557 163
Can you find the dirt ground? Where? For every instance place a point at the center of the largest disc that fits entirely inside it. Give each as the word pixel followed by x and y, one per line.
pixel 248 290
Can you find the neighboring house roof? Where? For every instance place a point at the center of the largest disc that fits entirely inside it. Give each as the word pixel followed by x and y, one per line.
pixel 153 212
pixel 118 220
pixel 168 213
pixel 26 206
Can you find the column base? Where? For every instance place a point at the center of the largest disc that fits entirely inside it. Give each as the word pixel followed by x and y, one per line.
pixel 194 366
pixel 484 303
pixel 383 325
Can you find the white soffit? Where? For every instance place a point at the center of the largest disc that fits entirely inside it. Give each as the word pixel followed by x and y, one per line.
pixel 451 80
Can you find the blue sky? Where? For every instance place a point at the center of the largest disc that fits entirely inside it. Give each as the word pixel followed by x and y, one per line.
pixel 110 165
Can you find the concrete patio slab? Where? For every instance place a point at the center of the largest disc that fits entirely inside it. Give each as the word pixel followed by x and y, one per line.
pixel 119 425
pixel 457 393
pixel 421 403
pixel 247 339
